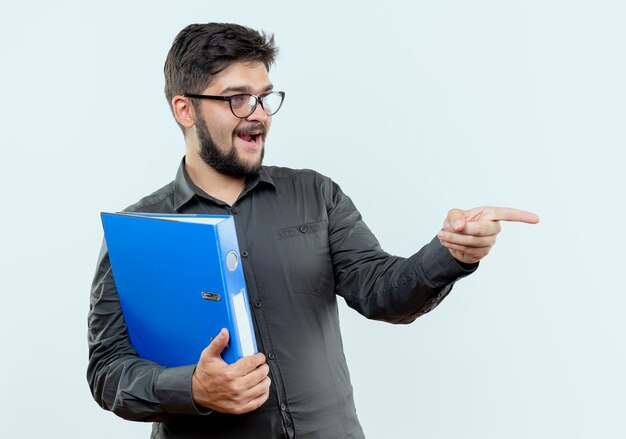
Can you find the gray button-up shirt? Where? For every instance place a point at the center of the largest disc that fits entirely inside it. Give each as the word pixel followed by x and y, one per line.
pixel 302 243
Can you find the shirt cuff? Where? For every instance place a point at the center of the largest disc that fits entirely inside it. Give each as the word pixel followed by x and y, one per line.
pixel 173 389
pixel 441 268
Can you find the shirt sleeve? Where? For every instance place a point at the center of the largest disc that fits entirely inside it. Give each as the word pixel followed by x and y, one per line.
pixel 376 284
pixel 120 381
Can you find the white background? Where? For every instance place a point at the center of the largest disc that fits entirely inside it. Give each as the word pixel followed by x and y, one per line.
pixel 414 108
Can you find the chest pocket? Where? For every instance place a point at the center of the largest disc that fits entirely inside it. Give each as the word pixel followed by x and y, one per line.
pixel 305 255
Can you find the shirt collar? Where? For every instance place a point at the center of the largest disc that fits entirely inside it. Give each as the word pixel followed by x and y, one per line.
pixel 185 189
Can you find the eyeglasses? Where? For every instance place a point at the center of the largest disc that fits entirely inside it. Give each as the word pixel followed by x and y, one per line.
pixel 243 105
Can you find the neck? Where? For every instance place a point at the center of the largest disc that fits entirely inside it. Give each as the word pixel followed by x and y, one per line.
pixel 220 186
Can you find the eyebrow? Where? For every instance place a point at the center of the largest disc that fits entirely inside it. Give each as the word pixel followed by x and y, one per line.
pixel 246 89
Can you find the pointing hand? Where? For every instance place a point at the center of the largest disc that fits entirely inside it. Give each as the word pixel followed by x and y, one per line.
pixel 470 234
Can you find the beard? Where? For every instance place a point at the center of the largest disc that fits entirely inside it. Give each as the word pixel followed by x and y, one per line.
pixel 229 162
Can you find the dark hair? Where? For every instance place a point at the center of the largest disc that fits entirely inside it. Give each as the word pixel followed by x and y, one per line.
pixel 201 51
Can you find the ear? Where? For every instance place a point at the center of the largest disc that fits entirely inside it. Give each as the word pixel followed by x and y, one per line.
pixel 183 111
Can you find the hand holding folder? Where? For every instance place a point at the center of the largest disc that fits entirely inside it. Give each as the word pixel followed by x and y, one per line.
pixel 230 388
pixel 180 281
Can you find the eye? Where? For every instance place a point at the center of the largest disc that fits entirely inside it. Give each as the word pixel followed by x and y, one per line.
pixel 237 101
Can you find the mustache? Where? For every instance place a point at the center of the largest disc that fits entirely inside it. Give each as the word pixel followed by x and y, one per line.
pixel 256 128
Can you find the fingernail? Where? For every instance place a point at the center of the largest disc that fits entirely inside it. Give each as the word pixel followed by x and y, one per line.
pixel 440 234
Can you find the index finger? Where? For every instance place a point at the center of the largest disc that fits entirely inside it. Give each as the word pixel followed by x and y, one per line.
pixel 510 214
pixel 245 365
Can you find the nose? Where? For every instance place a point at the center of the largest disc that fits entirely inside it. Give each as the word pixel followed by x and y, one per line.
pixel 258 114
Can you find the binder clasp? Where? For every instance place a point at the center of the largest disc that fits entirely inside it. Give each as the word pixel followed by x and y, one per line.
pixel 211 296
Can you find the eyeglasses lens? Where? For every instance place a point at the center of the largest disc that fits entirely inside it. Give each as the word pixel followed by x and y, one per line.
pixel 243 105
pixel 272 103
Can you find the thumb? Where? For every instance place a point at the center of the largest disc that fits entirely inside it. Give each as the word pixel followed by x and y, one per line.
pixel 455 221
pixel 218 344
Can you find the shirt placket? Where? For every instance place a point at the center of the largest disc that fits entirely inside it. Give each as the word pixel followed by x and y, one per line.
pixel 241 212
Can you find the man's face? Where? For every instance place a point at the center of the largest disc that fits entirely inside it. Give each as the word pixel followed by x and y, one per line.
pixel 230 145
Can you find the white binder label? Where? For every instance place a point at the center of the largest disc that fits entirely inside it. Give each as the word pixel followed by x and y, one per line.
pixel 243 324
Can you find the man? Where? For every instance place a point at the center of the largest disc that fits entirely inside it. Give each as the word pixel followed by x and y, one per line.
pixel 302 243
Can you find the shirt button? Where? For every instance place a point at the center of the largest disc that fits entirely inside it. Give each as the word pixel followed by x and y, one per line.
pixel 257 304
pixel 271 355
pixel 303 229
pixel 234 211
pixel 283 407
pixel 244 253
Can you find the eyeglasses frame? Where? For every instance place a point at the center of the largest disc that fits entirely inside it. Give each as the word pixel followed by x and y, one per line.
pixel 258 99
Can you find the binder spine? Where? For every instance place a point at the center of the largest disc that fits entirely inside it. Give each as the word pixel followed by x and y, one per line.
pixel 233 350
pixel 242 340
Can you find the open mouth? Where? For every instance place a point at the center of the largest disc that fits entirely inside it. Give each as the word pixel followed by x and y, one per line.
pixel 250 137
